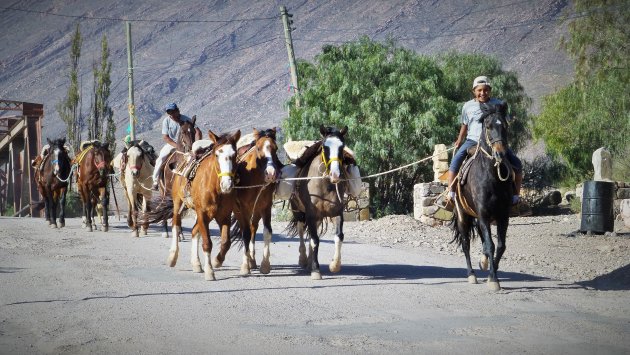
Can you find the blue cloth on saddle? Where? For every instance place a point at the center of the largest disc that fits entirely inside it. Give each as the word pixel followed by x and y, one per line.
pixel 460 155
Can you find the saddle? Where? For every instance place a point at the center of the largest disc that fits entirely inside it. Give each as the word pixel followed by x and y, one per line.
pixel 188 167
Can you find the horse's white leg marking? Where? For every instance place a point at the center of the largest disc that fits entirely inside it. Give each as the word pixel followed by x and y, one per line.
pixel 335 265
pixel 144 209
pixel 303 260
pixel 252 253
pixel 315 274
pixel 194 253
pixel 209 271
pixel 483 263
pixel 174 251
pixel 265 265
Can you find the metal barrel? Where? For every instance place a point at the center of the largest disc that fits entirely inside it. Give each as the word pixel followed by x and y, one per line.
pixel 597 207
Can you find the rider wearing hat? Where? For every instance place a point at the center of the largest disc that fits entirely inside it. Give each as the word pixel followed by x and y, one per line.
pixel 470 132
pixel 170 131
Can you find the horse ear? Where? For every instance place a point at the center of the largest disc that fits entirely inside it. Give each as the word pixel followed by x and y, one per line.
pixel 62 141
pixel 237 135
pixel 344 130
pixel 194 119
pixel 49 142
pixel 322 130
pixel 256 133
pixel 212 136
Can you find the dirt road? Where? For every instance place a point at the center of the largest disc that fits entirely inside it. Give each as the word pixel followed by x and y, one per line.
pixel 68 291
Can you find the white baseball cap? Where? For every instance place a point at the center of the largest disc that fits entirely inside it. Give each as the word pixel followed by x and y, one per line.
pixel 481 80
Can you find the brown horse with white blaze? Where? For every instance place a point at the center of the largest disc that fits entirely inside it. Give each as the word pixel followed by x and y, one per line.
pixel 211 195
pixel 257 171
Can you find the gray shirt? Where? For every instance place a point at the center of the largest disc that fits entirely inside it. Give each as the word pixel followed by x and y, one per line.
pixel 171 128
pixel 470 117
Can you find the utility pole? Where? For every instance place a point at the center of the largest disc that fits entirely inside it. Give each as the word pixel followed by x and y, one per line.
pixel 287 22
pixel 132 108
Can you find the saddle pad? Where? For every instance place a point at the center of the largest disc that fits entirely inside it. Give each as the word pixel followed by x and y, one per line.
pixel 295 149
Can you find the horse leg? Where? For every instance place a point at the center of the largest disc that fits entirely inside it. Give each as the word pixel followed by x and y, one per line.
pixel 335 265
pixel 246 235
pixel 224 230
pixel 46 205
pixel 502 226
pixel 463 231
pixel 194 249
pixel 202 222
pixel 62 207
pixel 145 226
pixel 252 245
pixel 173 253
pixel 105 204
pixel 312 231
pixel 51 207
pixel 165 226
pixel 265 265
pixel 488 250
pixel 303 260
pixel 88 212
pixel 131 216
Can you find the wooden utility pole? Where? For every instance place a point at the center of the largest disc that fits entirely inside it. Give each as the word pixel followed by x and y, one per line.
pixel 289 42
pixel 132 108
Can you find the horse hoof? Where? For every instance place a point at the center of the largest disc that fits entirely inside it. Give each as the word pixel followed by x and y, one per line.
pixel 164 235
pixel 134 234
pixel 494 285
pixel 197 268
pixel 472 279
pixel 316 275
pixel 252 264
pixel 172 258
pixel 483 263
pixel 245 270
pixel 144 232
pixel 265 267
pixel 216 263
pixel 52 225
pixel 335 266
pixel 104 228
pixel 209 276
pixel 61 225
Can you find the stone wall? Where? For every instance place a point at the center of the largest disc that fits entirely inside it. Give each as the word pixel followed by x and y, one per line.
pixel 425 203
pixel 359 208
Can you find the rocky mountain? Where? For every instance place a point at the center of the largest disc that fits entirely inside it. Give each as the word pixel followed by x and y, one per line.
pixel 226 61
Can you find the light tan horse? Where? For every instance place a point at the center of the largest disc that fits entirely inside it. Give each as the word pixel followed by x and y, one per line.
pixel 211 195
pixel 136 166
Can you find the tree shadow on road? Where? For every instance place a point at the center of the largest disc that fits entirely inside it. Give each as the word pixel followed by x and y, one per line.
pixel 616 280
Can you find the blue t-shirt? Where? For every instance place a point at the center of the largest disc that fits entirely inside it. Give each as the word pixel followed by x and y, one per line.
pixel 470 117
pixel 171 128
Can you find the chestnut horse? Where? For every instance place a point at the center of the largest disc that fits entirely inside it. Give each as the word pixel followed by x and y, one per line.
pixel 257 170
pixel 185 140
pixel 93 174
pixel 52 174
pixel 136 169
pixel 486 194
pixel 319 197
pixel 210 194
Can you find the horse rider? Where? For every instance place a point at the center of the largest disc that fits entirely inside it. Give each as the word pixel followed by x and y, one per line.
pixel 171 125
pixel 471 130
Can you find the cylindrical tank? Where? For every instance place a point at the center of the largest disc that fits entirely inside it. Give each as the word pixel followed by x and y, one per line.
pixel 597 207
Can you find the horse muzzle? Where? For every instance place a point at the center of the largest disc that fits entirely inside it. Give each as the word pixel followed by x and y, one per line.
pixel 271 174
pixel 226 184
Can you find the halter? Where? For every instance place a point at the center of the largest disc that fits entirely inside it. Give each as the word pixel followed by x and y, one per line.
pixel 329 162
pixel 100 165
pixel 498 160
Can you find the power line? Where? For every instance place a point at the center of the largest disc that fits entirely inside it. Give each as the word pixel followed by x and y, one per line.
pixel 139 20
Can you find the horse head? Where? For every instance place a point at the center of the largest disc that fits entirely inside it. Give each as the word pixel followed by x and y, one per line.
pixel 102 158
pixel 186 136
pixel 60 160
pixel 224 150
pixel 495 128
pixel 135 159
pixel 267 149
pixel 333 142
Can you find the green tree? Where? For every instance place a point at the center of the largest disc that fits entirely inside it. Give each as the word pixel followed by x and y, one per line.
pixel 396 103
pixel 594 110
pixel 68 109
pixel 101 112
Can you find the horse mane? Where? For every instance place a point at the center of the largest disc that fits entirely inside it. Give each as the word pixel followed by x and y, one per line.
pixel 488 109
pixel 309 154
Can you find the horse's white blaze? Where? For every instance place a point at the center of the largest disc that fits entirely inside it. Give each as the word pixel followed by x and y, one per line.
pixel 334 145
pixel 224 157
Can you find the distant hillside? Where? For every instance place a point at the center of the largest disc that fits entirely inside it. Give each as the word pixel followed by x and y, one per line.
pixel 233 73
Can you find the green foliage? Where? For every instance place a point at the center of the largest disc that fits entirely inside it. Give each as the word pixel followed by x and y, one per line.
pixel 68 109
pixel 101 112
pixel 593 111
pixel 396 103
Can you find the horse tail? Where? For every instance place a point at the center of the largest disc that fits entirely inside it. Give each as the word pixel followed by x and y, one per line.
pixel 292 228
pixel 161 210
pixel 236 236
pixel 458 235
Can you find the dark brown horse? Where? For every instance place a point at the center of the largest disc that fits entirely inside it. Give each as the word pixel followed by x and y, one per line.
pixel 257 170
pixel 319 197
pixel 93 173
pixel 185 140
pixel 210 193
pixel 52 174
pixel 486 194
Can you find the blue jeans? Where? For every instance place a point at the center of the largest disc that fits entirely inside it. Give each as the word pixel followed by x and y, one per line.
pixel 460 155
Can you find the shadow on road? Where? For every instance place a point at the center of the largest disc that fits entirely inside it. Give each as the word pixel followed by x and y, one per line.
pixel 616 280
